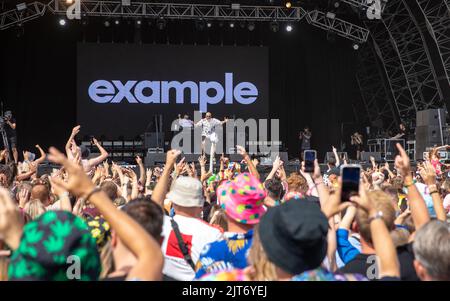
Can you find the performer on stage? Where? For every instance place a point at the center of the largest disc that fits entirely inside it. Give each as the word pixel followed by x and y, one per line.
pixel 402 132
pixel 208 125
pixel 357 142
pixel 185 122
pixel 10 130
pixel 305 137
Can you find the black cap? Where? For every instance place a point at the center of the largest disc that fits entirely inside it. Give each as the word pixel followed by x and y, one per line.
pixel 294 236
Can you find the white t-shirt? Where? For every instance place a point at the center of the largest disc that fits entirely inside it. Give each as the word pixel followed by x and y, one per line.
pixel 186 123
pixel 208 127
pixel 196 234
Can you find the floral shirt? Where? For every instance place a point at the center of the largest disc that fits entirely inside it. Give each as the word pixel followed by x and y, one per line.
pixel 225 254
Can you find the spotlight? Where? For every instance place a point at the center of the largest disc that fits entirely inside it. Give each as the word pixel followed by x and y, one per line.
pixel 336 3
pixel 106 23
pixel 274 26
pixel 231 24
pixel 138 23
pixel 62 22
pixel 161 24
pixel 355 46
pixel 117 22
pixel 289 28
pixel 208 24
pixel 251 26
pixel 221 24
pixel 288 4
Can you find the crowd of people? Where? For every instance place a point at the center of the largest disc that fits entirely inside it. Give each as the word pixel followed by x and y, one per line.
pixel 92 219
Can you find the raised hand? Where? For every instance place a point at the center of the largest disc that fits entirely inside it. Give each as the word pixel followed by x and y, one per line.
pixel 78 182
pixel 428 173
pixel 172 156
pixel 402 162
pixel 241 150
pixel 138 160
pixel 76 130
pixel 202 160
pixel 10 220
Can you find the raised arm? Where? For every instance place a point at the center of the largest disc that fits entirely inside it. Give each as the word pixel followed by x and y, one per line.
pixel 147 251
pixel 103 154
pixel 141 170
pixel 335 153
pixel 428 174
pixel 75 131
pixel 251 167
pixel 42 157
pixel 419 211
pixel 161 188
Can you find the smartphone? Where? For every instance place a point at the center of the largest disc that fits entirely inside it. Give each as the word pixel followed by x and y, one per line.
pixel 309 157
pixel 350 175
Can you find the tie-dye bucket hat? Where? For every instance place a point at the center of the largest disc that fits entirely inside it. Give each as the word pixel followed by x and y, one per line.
pixel 242 198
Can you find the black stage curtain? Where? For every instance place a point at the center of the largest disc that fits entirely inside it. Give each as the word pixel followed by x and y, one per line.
pixel 312 81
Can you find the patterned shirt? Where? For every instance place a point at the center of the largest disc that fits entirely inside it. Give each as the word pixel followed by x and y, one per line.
pixel 320 274
pixel 227 253
pixel 208 127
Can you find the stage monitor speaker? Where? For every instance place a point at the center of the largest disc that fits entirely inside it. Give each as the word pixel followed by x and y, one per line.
pixel 427 136
pixel 46 169
pixel 154 158
pixel 365 156
pixel 430 117
pixel 331 155
pixel 153 139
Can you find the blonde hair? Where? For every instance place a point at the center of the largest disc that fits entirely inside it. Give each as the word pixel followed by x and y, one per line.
pixel 107 260
pixel 218 217
pixel 34 208
pixel 262 268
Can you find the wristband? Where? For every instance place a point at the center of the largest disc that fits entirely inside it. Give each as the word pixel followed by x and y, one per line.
pixel 378 215
pixel 94 191
pixel 408 184
pixel 434 191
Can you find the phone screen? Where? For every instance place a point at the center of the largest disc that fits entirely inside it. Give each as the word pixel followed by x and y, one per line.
pixel 309 156
pixel 350 182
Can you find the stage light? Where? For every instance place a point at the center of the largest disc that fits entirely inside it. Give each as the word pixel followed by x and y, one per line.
pixel 208 24
pixel 161 24
pixel 106 23
pixel 331 15
pixel 242 24
pixel 138 23
pixel 231 24
pixel 251 26
pixel 336 3
pixel 288 4
pixel 274 26
pixel 62 22
pixel 117 22
pixel 221 24
pixel 355 46
pixel 21 6
pixel 289 28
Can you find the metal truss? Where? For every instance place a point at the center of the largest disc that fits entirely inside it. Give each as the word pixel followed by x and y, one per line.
pixel 362 4
pixel 386 49
pixel 181 11
pixel 338 26
pixel 437 14
pixel 15 17
pixel 376 98
pixel 414 58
